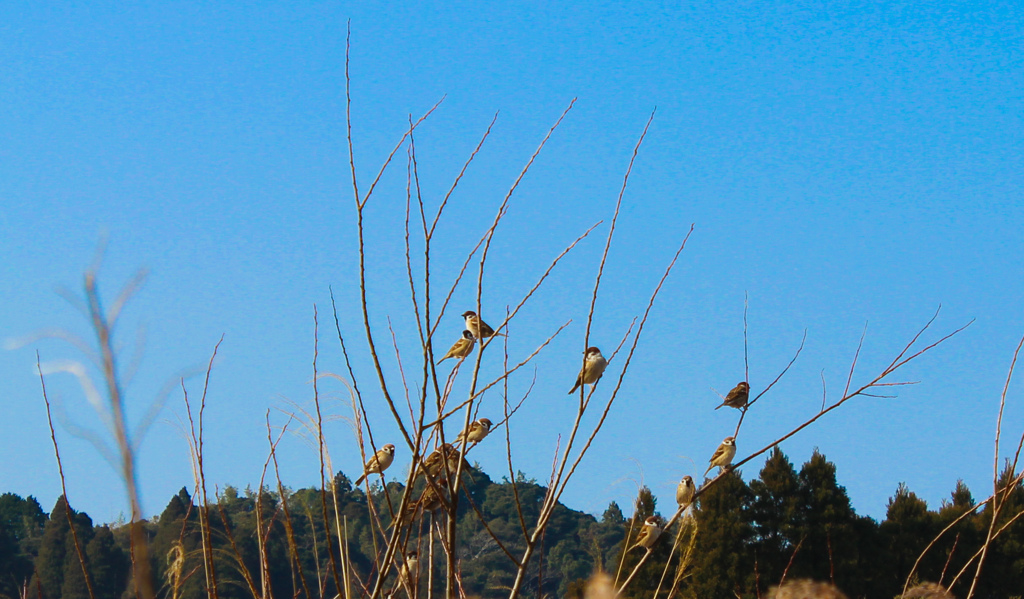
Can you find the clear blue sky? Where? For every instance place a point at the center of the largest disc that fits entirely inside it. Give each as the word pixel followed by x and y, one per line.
pixel 842 163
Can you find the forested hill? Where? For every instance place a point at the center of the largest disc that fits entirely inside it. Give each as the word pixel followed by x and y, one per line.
pixel 746 536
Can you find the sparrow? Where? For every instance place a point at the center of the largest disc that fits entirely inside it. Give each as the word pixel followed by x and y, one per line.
pixel 723 455
pixel 477 431
pixel 462 347
pixel 477 326
pixel 434 464
pixel 649 533
pixel 431 499
pixel 685 491
pixel 593 367
pixel 409 573
pixel 737 398
pixel 379 462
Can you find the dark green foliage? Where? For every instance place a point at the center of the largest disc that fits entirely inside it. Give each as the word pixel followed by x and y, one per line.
pixel 828 521
pixel 907 529
pixel 747 536
pixel 108 563
pixel 49 563
pixel 724 564
pixel 1004 564
pixel 646 580
pixel 777 516
pixel 21 530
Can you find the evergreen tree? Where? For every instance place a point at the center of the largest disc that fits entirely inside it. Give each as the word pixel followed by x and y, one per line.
pixel 829 551
pixel 176 539
pixel 23 519
pixel 49 563
pixel 777 517
pixel 21 528
pixel 75 585
pixel 604 539
pixel 907 530
pixel 10 563
pixel 723 562
pixel 745 537
pixel 646 580
pixel 1003 569
pixel 108 564
pixel 959 543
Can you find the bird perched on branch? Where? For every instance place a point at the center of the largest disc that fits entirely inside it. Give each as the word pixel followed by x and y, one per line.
pixel 431 499
pixel 593 367
pixel 434 465
pixel 649 533
pixel 462 347
pixel 685 491
pixel 737 398
pixel 409 573
pixel 480 329
pixel 378 463
pixel 723 455
pixel 477 431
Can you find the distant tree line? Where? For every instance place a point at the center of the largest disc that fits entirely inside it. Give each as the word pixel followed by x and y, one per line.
pixel 797 523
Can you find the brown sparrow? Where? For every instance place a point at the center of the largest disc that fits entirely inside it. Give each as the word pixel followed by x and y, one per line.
pixel 685 491
pixel 434 465
pixel 723 455
pixel 379 462
pixel 737 398
pixel 409 573
pixel 462 347
pixel 432 497
pixel 593 367
pixel 649 533
pixel 480 329
pixel 477 431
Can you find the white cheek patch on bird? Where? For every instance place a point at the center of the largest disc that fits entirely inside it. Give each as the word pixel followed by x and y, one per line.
pixel 593 368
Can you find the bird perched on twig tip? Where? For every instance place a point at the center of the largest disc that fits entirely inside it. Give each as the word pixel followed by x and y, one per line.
pixel 737 398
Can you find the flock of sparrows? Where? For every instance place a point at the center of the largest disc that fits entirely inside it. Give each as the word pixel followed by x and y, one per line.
pixel 722 458
pixel 594 364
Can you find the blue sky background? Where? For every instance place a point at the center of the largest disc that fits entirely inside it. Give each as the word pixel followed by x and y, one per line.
pixel 842 163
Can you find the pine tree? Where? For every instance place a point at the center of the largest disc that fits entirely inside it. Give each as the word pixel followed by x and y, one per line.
pixel 21 528
pixel 175 537
pixel 777 517
pixel 646 580
pixel 960 541
pixel 1003 571
pixel 75 585
pixel 108 564
pixel 724 563
pixel 49 564
pixel 10 564
pixel 907 530
pixel 829 551
pixel 604 539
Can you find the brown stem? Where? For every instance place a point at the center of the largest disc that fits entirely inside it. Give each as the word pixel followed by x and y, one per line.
pixel 63 487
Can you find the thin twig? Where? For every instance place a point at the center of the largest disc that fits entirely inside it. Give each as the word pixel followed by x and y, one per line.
pixel 63 486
